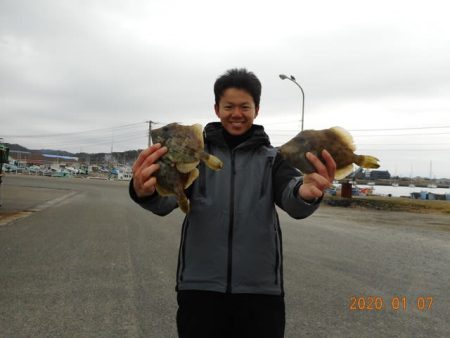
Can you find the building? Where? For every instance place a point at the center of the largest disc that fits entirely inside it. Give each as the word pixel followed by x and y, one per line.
pixel 53 161
pixel 380 175
pixel 19 158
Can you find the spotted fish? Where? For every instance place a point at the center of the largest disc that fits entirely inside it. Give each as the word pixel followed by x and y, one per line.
pixel 336 140
pixel 178 167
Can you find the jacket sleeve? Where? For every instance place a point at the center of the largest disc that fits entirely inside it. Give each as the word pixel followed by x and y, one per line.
pixel 286 182
pixel 159 205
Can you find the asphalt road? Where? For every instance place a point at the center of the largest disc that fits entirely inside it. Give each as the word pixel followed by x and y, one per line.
pixel 84 261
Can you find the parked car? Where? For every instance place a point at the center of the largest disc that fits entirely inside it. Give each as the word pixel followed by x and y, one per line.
pixel 62 173
pixel 46 172
pixel 34 169
pixel 10 168
pixel 71 170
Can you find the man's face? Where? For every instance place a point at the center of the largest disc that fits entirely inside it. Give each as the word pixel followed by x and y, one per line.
pixel 236 110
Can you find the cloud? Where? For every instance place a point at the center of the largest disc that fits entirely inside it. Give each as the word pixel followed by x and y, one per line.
pixel 74 66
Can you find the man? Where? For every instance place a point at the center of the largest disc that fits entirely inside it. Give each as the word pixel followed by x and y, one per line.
pixel 230 275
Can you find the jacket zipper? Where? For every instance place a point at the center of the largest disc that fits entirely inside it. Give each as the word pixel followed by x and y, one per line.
pixel 183 249
pixel 280 254
pixel 267 170
pixel 230 227
pixel 277 256
pixel 202 178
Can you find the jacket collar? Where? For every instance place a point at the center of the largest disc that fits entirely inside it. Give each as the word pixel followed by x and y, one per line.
pixel 213 133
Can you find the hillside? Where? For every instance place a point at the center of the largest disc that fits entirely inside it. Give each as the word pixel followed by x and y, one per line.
pixel 128 156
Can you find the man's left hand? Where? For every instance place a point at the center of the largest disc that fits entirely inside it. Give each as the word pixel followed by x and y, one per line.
pixel 315 183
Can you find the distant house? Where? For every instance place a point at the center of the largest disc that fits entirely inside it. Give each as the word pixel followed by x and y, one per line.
pixel 59 161
pixel 19 158
pixel 52 161
pixel 379 175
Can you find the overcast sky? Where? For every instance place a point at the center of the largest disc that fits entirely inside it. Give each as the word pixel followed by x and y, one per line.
pixel 86 75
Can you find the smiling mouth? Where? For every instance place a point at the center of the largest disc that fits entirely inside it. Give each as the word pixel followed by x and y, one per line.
pixel 237 123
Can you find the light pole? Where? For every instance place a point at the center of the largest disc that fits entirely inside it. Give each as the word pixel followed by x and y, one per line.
pixel 292 78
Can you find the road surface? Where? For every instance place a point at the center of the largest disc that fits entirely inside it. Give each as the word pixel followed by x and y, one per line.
pixel 84 261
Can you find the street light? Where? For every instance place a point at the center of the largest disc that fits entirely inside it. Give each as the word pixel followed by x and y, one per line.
pixel 292 78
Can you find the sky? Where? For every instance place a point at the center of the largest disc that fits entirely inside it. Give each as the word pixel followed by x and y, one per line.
pixel 86 76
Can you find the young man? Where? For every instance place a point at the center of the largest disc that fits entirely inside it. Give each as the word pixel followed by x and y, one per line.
pixel 230 274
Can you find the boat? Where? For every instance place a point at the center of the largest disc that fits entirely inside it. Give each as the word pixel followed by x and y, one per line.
pixel 366 191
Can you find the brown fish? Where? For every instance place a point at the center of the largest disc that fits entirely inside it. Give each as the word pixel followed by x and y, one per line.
pixel 336 140
pixel 178 167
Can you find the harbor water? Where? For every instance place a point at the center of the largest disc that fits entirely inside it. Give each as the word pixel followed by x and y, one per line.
pixel 386 190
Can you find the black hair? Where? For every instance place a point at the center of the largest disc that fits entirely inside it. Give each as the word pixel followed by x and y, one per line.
pixel 240 79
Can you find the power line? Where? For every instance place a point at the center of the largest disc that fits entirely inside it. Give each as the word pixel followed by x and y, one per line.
pixel 402 144
pixel 291 132
pixel 390 149
pixel 407 128
pixel 358 130
pixel 75 132
pixel 129 132
pixel 271 123
pixel 413 134
pixel 97 141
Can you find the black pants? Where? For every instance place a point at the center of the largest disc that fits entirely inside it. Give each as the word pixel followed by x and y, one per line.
pixel 205 314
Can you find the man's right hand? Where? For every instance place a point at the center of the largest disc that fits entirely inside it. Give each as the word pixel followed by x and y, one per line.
pixel 144 183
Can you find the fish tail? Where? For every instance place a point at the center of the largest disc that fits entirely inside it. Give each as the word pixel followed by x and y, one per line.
pixel 367 161
pixel 211 161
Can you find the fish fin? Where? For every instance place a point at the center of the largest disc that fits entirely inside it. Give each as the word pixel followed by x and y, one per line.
pixel 211 161
pixel 186 167
pixel 192 177
pixel 162 191
pixel 343 172
pixel 367 161
pixel 198 131
pixel 345 136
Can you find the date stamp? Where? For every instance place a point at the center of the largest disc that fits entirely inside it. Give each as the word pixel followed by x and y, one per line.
pixel 394 303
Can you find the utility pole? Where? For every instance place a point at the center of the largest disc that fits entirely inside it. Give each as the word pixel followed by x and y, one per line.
pixel 112 142
pixel 110 162
pixel 4 154
pixel 150 131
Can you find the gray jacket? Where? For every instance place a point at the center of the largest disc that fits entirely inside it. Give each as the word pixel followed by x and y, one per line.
pixel 231 239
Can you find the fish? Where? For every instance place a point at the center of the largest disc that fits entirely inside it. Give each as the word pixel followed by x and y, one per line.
pixel 178 167
pixel 336 140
